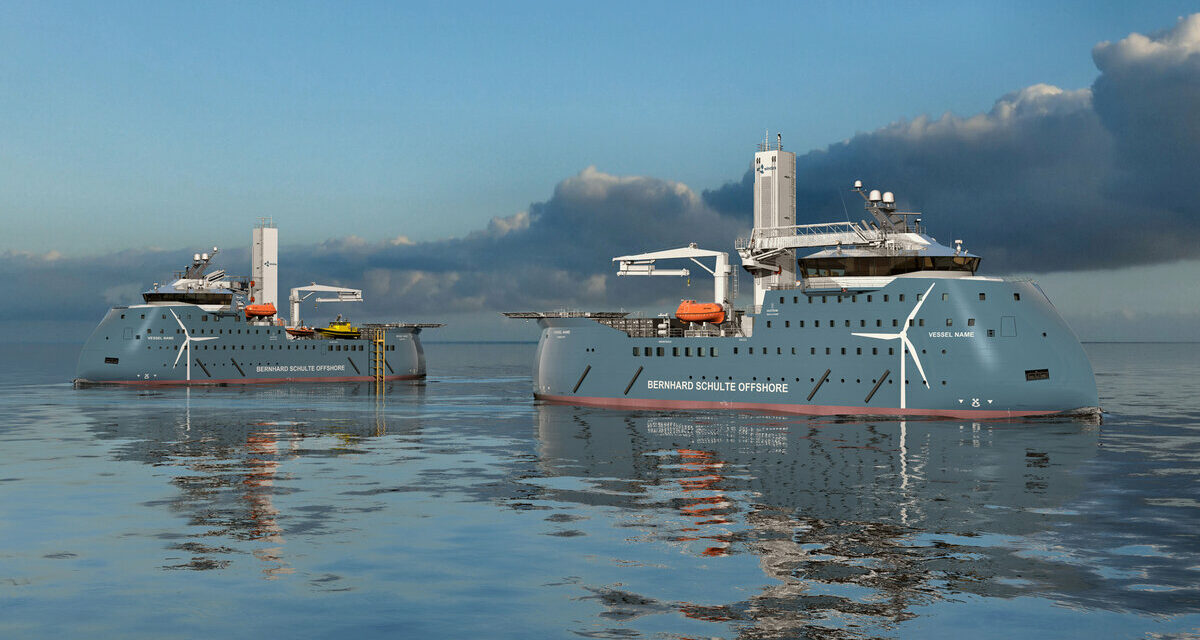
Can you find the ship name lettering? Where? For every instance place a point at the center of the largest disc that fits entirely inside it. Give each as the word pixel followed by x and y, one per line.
pixel 951 334
pixel 298 368
pixel 717 386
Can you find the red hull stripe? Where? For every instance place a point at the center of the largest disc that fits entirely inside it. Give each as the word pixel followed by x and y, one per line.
pixel 802 409
pixel 165 383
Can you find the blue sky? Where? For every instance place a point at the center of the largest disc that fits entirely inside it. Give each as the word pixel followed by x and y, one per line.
pixel 428 119
pixel 383 137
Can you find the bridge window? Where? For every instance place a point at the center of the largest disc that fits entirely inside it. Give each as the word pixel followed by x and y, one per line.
pixel 868 298
pixel 659 351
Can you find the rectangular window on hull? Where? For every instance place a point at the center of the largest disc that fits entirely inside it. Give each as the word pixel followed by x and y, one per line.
pixel 675 351
pixel 659 351
pixel 112 361
pixel 687 352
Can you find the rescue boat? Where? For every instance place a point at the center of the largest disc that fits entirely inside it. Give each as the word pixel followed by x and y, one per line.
pixel 260 310
pixel 300 332
pixel 692 311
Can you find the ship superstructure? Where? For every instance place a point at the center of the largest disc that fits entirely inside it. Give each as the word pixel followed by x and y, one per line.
pixel 206 327
pixel 873 317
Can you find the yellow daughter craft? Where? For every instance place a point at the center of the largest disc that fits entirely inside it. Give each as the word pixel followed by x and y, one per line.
pixel 339 329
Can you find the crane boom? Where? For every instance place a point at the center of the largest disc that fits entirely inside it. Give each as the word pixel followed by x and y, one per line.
pixel 343 294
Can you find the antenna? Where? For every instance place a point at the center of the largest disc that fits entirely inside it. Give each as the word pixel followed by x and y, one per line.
pixel 780 137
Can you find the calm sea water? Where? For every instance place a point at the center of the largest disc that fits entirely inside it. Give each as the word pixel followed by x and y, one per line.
pixel 459 508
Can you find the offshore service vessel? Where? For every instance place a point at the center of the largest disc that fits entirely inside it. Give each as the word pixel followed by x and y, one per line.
pixel 207 328
pixel 873 317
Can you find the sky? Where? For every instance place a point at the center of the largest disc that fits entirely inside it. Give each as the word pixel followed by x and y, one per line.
pixel 460 160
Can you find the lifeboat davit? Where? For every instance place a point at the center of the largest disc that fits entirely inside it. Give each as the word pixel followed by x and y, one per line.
pixel 260 310
pixel 300 332
pixel 692 311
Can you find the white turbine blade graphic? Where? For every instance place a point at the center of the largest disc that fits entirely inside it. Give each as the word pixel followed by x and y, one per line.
pixel 202 339
pixel 878 336
pixel 186 341
pixel 916 360
pixel 180 354
pixel 908 343
pixel 917 308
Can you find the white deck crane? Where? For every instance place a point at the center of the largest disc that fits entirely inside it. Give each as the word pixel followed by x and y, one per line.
pixel 642 264
pixel 343 295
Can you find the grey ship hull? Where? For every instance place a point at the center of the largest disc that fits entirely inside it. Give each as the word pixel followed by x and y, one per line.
pixel 1017 358
pixel 141 345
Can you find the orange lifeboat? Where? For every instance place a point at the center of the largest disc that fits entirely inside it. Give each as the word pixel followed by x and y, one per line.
pixel 301 332
pixel 260 310
pixel 692 311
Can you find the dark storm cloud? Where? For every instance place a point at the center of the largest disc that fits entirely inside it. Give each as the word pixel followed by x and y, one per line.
pixel 1046 180
pixel 558 254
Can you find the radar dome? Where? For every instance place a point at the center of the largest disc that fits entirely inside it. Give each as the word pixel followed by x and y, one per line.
pixel 874 195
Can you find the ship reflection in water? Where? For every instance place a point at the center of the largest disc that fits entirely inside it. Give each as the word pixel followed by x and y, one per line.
pixel 230 473
pixel 449 509
pixel 854 524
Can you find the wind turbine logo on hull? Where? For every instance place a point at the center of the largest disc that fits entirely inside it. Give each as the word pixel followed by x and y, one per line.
pixel 187 346
pixel 906 345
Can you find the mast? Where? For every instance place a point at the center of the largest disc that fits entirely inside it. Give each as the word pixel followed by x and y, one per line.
pixel 264 263
pixel 774 217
